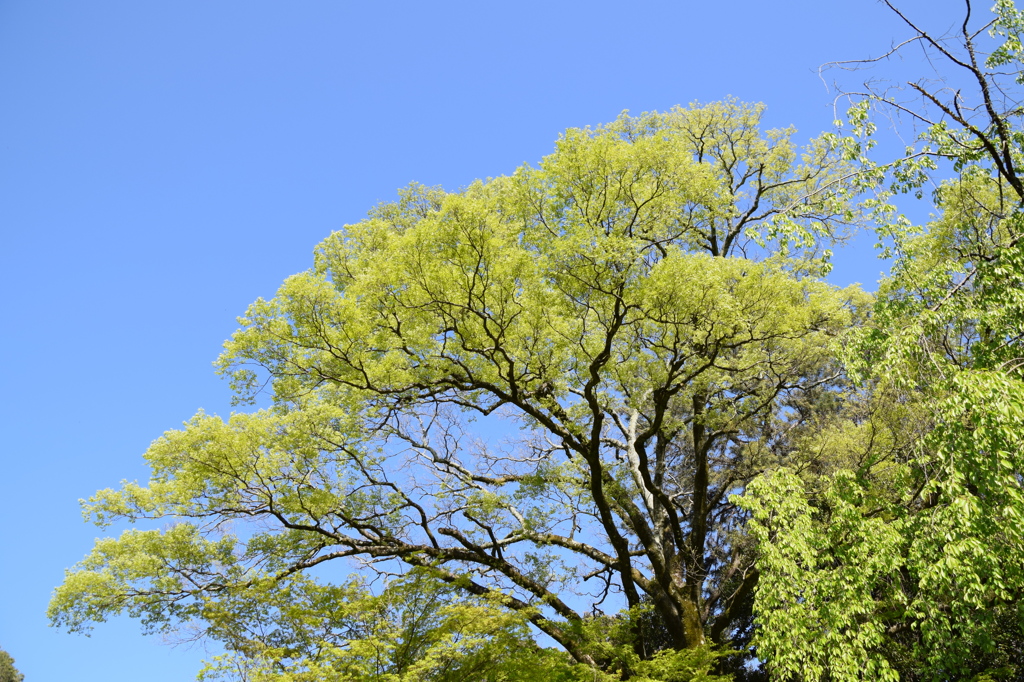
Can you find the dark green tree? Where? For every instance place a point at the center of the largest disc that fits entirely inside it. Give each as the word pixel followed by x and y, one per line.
pixel 8 673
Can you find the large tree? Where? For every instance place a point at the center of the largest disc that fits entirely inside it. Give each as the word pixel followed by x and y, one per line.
pixel 541 391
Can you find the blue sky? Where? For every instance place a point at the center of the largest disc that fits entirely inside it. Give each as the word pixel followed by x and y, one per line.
pixel 164 164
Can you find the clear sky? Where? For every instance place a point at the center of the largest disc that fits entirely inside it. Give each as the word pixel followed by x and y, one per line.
pixel 162 164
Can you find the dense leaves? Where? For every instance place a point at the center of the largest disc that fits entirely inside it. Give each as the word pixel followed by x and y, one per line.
pixel 910 562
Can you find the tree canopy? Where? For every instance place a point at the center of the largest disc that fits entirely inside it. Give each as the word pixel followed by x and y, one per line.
pixel 602 418
pixel 541 389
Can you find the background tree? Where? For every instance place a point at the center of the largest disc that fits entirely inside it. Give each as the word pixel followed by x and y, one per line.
pixel 540 391
pixel 912 558
pixel 8 673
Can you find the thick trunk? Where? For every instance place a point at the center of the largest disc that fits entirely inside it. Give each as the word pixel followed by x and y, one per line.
pixel 691 592
pixel 693 628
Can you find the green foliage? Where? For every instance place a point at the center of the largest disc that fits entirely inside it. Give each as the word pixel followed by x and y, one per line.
pixel 611 641
pixel 416 629
pixel 905 560
pixel 8 673
pixel 820 581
